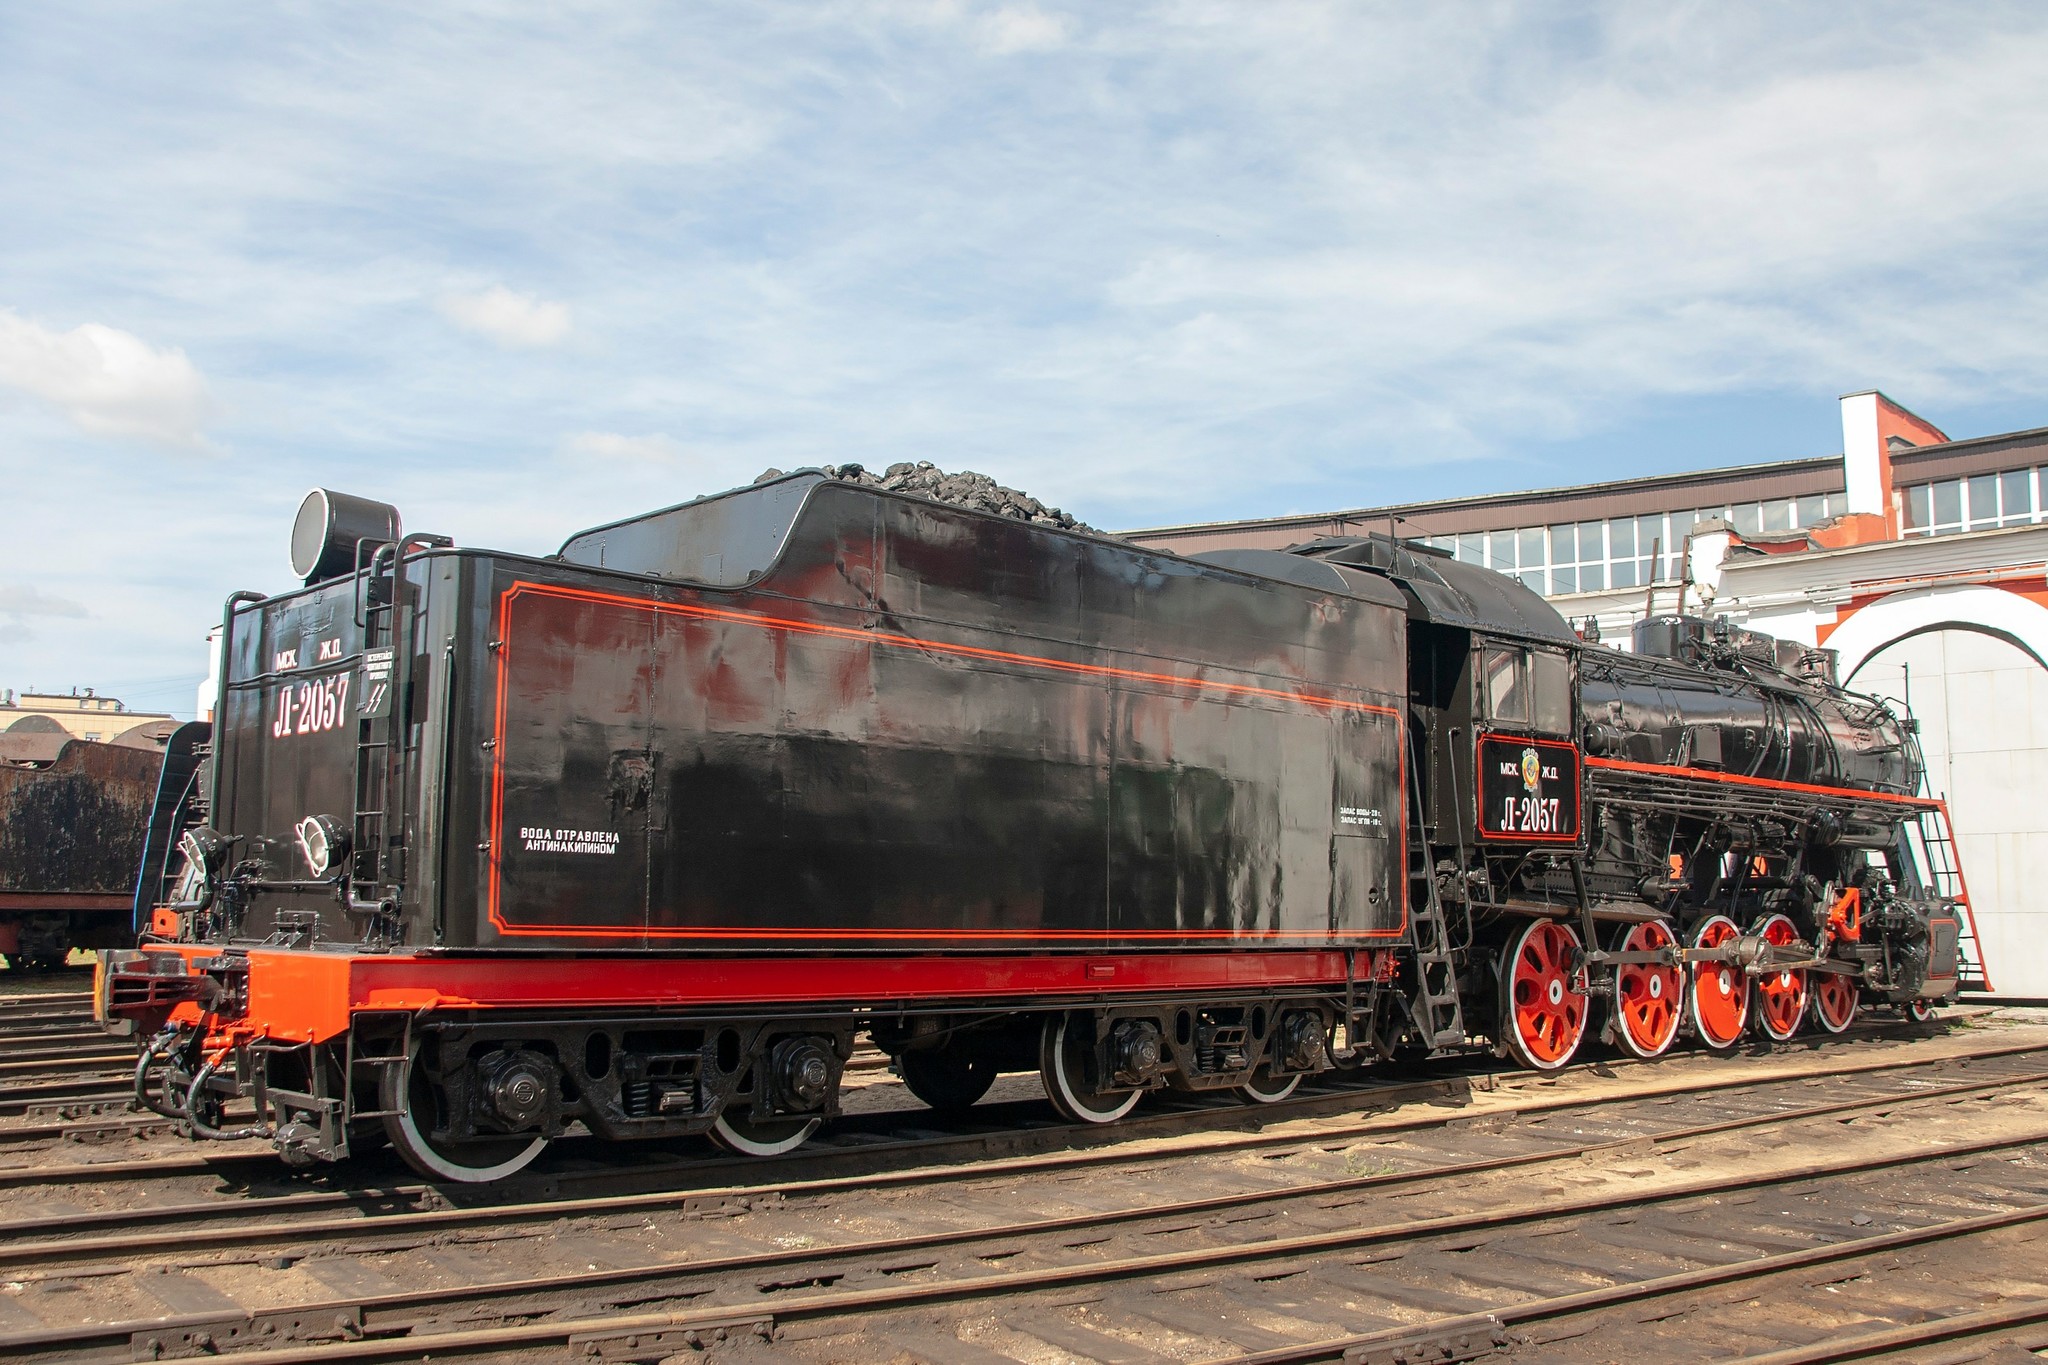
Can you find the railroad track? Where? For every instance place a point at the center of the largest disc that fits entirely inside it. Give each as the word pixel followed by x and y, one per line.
pixel 63 1009
pixel 84 1101
pixel 877 1138
pixel 914 1238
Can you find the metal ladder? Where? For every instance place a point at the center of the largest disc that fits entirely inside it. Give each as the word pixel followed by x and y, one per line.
pixel 372 859
pixel 1435 1007
pixel 1937 836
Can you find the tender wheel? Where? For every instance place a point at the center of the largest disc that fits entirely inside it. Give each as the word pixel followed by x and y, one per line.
pixel 420 1109
pixel 1065 1057
pixel 1719 999
pixel 1266 1088
pixel 1647 995
pixel 947 1080
pixel 1543 1020
pixel 1780 996
pixel 769 1137
pixel 1834 1001
pixel 1919 1011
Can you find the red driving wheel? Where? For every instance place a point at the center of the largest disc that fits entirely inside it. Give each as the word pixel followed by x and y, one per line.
pixel 1543 1018
pixel 1719 998
pixel 1647 995
pixel 1780 995
pixel 1834 1000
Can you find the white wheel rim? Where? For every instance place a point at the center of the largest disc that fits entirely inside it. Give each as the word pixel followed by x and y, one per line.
pixel 1784 982
pixel 1658 935
pixel 748 1146
pixel 1273 1096
pixel 1066 1087
pixel 417 1147
pixel 1725 980
pixel 1818 999
pixel 1554 994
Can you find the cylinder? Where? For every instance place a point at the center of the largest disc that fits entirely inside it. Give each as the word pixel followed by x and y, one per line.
pixel 329 528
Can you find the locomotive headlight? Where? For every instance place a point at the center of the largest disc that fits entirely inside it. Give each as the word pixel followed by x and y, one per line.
pixel 323 841
pixel 203 849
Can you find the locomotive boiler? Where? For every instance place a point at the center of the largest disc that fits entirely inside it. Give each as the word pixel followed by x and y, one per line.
pixel 643 836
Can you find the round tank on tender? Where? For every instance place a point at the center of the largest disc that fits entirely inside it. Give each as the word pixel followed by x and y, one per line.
pixel 1671 637
pixel 329 528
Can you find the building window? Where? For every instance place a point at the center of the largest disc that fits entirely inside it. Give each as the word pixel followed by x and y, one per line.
pixel 1979 503
pixel 1631 552
pixel 2016 497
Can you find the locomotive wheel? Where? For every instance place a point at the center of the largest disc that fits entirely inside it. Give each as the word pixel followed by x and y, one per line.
pixel 417 1104
pixel 1063 1060
pixel 947 1080
pixel 1780 995
pixel 1719 998
pixel 765 1137
pixel 1543 1020
pixel 1834 1001
pixel 1266 1088
pixel 1919 1011
pixel 1647 996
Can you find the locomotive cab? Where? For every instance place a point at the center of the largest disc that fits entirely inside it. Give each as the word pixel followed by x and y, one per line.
pixel 1525 763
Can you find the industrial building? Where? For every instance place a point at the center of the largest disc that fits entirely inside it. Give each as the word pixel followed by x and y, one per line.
pixel 80 714
pixel 1918 559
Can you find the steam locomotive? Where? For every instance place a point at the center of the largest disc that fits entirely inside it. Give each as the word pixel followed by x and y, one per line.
pixel 646 834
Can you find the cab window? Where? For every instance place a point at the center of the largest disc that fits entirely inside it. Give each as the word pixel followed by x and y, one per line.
pixel 1551 683
pixel 1528 688
pixel 1504 685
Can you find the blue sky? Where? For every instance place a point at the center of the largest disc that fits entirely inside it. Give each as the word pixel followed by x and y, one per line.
pixel 521 269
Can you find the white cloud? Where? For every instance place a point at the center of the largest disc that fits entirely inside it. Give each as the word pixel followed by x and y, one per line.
pixel 1021 28
pixel 110 382
pixel 18 602
pixel 611 446
pixel 1207 259
pixel 508 318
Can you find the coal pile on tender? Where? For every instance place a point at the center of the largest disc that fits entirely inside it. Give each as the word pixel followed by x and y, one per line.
pixel 965 489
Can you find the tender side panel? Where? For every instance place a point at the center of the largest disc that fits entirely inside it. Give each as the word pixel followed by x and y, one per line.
pixel 684 771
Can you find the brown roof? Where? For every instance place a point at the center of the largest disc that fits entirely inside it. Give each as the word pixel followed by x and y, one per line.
pixel 1503 511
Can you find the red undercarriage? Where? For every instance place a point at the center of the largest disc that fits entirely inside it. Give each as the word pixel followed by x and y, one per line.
pixel 309 997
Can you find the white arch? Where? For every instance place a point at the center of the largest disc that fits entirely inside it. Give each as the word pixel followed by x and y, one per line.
pixel 1972 607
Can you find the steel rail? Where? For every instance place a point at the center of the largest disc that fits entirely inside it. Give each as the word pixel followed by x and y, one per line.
pixel 184 1215
pixel 590 1332
pixel 1982 1323
pixel 1379 1092
pixel 17 1096
pixel 15 1043
pixel 583 1282
pixel 62 1060
pixel 1420 1337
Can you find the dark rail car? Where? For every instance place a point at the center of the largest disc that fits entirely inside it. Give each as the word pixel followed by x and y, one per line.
pixel 72 816
pixel 643 835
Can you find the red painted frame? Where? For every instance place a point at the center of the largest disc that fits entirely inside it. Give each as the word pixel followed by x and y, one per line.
pixel 300 996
